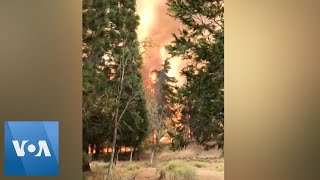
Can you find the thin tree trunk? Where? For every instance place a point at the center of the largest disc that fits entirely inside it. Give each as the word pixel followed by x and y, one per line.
pixel 113 151
pixel 116 162
pixel 131 153
pixel 151 156
pixel 118 116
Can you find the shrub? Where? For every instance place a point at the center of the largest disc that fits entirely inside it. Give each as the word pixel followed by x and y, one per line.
pixel 85 162
pixel 177 170
pixel 84 158
pixel 122 174
pixel 132 167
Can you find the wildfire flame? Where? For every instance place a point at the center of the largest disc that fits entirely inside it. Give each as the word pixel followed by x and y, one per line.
pixel 157 26
pixel 153 77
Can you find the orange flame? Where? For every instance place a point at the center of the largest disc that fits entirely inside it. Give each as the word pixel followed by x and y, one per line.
pixel 157 26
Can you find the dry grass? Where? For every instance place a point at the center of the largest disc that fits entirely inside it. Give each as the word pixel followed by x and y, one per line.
pixel 132 167
pixel 191 164
pixel 123 171
pixel 200 164
pixel 177 170
pixel 219 167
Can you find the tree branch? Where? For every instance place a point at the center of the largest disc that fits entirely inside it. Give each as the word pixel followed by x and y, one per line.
pixel 126 107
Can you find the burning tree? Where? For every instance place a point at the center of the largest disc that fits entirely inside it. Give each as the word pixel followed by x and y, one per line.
pixel 164 110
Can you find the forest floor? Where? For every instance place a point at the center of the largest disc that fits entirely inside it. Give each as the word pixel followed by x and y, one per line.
pixel 208 164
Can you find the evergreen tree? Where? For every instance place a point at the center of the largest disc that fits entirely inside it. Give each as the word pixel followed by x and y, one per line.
pixel 113 97
pixel 201 42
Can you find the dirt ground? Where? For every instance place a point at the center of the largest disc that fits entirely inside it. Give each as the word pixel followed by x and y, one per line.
pixel 204 174
pixel 209 165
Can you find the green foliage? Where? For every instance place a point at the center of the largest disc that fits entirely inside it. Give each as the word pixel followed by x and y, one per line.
pixel 84 158
pixel 177 170
pixel 201 43
pixel 180 139
pixel 109 46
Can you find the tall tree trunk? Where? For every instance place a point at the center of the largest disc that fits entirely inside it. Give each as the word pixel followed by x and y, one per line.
pixel 118 116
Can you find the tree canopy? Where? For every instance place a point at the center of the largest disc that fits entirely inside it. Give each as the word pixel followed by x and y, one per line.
pixel 110 47
pixel 201 43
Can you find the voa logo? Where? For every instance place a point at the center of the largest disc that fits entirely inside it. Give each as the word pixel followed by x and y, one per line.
pixel 43 147
pixel 31 148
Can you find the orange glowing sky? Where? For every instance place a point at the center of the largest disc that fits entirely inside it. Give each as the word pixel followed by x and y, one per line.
pixel 157 27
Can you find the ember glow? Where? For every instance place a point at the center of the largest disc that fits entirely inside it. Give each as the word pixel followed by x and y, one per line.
pixel 153 76
pixel 152 80
pixel 157 27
